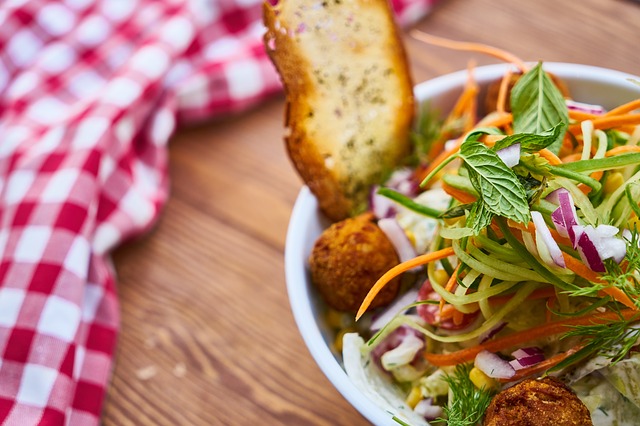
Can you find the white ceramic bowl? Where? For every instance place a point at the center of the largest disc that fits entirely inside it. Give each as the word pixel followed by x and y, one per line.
pixel 586 84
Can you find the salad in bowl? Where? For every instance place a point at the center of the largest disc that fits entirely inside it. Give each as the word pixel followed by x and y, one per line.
pixel 513 291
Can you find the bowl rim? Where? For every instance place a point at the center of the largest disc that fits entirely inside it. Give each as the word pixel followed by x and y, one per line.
pixel 306 205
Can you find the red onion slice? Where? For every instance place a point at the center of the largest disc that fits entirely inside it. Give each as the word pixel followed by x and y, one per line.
pixel 568 214
pixel 398 238
pixel 493 366
pixel 526 357
pixel 543 236
pixel 510 155
pixel 589 253
pixel 428 410
pixel 492 332
pixel 584 107
pixel 603 241
pixel 552 197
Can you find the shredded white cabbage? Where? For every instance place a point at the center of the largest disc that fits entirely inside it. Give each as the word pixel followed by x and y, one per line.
pixel 374 384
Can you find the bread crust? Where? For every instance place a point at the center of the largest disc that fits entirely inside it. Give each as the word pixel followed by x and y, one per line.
pixel 349 96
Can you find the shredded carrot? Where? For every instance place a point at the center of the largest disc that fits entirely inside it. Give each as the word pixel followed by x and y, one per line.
pixel 451 283
pixel 623 149
pixel 567 145
pixel 581 115
pixel 397 270
pixel 490 140
pixel 624 108
pixel 610 121
pixel 580 269
pixel 618 295
pixel 542 365
pixel 469 46
pixel 550 157
pixel 467 104
pixel 497 120
pixel 538 332
pixel 572 157
pixel 503 91
pixel 458 194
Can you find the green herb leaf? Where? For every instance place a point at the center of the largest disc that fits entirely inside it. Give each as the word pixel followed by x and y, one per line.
pixel 497 184
pixel 532 142
pixel 475 134
pixel 467 404
pixel 532 187
pixel 479 217
pixel 537 106
pixel 612 339
pixel 457 211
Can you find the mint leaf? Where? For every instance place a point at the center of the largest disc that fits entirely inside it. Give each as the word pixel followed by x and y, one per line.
pixel 538 106
pixel 532 142
pixel 475 134
pixel 479 217
pixel 497 184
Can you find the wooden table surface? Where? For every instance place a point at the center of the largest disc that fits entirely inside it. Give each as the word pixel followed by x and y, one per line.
pixel 208 337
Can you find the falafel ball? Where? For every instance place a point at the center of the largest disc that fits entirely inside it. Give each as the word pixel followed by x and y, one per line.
pixel 347 260
pixel 532 402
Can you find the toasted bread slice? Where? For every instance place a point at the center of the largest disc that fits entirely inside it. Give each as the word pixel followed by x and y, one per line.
pixel 349 95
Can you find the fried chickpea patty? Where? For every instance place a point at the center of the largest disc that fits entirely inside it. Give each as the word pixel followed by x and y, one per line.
pixel 347 260
pixel 535 402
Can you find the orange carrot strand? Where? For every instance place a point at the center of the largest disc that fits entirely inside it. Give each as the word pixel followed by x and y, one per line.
pixel 399 269
pixel 624 108
pixel 514 339
pixel 451 283
pixel 469 46
pixel 550 157
pixel 608 122
pixel 623 149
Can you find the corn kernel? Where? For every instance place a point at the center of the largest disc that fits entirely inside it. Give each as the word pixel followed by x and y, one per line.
pixel 480 380
pixel 614 181
pixel 414 397
pixel 336 319
pixel 337 342
pixel 441 276
pixel 412 237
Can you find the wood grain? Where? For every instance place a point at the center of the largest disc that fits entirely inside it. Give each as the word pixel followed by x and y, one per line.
pixel 207 334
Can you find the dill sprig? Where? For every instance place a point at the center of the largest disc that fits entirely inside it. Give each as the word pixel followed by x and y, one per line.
pixel 467 403
pixel 613 340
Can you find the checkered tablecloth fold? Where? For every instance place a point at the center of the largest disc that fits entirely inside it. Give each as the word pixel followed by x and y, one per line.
pixel 90 93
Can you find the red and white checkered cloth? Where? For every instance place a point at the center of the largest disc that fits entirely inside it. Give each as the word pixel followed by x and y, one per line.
pixel 90 92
